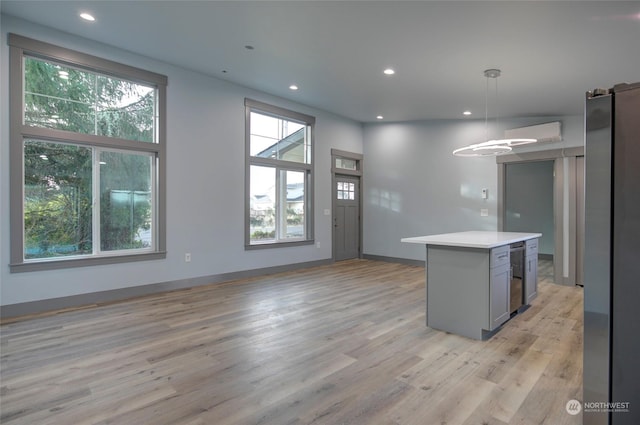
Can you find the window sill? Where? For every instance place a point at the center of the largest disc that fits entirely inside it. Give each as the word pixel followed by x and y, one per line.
pixel 268 245
pixel 84 262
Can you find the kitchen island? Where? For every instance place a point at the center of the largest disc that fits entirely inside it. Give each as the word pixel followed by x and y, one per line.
pixel 470 277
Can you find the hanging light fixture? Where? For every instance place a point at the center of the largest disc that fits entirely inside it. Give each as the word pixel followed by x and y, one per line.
pixel 492 147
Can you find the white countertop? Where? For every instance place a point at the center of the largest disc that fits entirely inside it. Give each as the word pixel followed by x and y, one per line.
pixel 473 239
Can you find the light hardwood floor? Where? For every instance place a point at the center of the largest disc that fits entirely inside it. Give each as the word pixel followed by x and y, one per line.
pixel 338 344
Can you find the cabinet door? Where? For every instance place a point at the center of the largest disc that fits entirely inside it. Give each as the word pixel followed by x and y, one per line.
pixel 530 278
pixel 499 289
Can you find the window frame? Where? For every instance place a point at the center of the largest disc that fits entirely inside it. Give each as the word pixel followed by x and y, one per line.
pixel 279 166
pixel 21 47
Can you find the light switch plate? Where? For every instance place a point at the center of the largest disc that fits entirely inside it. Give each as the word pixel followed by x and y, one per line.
pixel 484 212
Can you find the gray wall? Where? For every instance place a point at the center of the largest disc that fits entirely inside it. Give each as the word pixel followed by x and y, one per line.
pixel 205 182
pixel 414 186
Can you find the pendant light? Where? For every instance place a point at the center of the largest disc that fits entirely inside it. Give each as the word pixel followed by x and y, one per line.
pixel 491 147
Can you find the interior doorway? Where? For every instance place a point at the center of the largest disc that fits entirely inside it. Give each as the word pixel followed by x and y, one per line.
pixel 346 204
pixel 568 205
pixel 528 202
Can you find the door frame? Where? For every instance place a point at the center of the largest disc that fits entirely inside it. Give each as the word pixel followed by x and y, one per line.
pixel 564 205
pixel 336 171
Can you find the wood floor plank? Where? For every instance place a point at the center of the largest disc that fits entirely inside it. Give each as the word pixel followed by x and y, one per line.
pixel 344 343
pixel 512 390
pixel 453 405
pixel 506 355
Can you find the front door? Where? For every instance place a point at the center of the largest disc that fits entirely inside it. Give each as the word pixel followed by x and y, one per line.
pixel 346 217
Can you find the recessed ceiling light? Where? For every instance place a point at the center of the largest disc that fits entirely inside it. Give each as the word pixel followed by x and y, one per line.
pixel 293 87
pixel 87 16
pixel 466 113
pixel 379 117
pixel 389 71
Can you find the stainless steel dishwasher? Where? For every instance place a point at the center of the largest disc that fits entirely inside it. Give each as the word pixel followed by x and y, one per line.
pixel 516 254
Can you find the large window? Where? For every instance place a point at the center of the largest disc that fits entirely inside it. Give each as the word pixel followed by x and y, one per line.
pixel 279 175
pixel 87 159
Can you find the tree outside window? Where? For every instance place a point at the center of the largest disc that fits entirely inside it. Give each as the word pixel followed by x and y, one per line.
pixel 91 145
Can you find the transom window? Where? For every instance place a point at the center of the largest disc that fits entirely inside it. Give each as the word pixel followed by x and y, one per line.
pixel 89 151
pixel 66 98
pixel 346 164
pixel 279 176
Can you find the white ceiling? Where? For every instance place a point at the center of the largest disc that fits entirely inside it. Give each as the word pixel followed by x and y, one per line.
pixel 550 52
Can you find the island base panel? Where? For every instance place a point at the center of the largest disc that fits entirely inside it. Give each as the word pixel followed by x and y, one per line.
pixel 458 290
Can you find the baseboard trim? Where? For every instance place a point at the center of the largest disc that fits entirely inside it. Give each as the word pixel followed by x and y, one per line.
pixel 102 297
pixel 408 261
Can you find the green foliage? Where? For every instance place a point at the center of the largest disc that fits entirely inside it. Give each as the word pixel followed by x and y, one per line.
pixel 124 199
pixel 256 221
pixel 84 102
pixel 259 234
pixel 57 207
pixel 293 217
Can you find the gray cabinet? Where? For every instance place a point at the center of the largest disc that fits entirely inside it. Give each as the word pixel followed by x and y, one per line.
pixel 499 287
pixel 531 271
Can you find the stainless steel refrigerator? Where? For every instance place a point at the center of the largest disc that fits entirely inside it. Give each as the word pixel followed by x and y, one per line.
pixel 612 257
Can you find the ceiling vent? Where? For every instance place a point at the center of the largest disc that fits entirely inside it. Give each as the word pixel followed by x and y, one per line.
pixel 548 132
